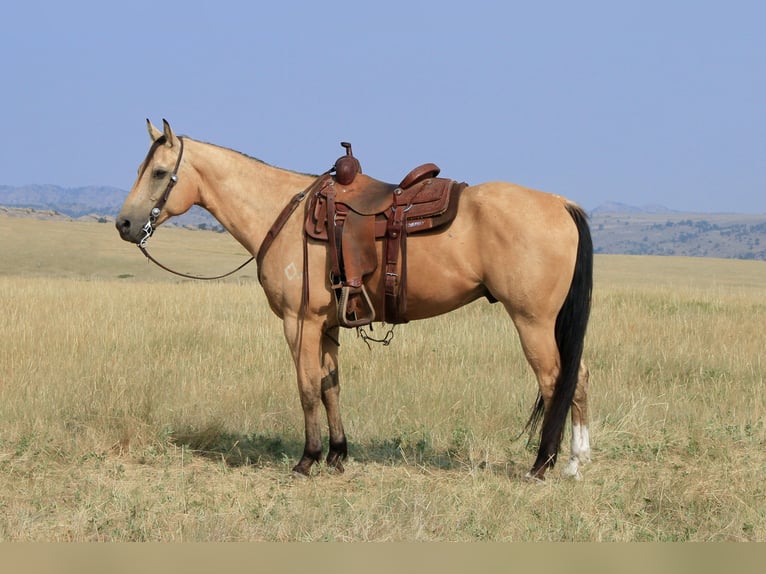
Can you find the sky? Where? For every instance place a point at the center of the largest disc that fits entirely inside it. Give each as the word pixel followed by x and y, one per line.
pixel 640 102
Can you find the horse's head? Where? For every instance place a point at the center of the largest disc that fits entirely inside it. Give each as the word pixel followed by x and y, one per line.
pixel 150 201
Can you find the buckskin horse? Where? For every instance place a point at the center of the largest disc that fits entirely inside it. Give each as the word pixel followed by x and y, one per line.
pixel 529 250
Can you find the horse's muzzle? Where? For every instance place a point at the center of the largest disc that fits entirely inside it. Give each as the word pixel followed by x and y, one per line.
pixel 129 230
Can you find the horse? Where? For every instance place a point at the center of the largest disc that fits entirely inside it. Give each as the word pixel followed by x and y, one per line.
pixel 527 249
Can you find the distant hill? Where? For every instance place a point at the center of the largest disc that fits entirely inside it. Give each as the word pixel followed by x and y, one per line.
pixel 76 201
pixel 617 228
pixel 616 207
pixel 665 232
pixel 85 202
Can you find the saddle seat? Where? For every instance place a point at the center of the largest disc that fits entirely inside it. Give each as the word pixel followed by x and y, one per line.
pixel 355 213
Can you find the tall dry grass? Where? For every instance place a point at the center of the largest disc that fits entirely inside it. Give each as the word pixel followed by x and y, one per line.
pixel 165 410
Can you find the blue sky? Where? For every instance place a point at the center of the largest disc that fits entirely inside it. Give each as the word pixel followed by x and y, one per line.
pixel 645 102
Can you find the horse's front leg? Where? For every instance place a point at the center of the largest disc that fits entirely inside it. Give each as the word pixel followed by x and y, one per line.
pixel 316 368
pixel 331 399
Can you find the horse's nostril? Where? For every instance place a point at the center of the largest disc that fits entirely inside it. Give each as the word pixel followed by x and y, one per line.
pixel 123 226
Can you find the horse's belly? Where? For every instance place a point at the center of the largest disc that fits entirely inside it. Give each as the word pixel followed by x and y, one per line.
pixel 439 277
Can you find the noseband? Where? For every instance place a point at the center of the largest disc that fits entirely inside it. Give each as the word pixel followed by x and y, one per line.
pixel 157 209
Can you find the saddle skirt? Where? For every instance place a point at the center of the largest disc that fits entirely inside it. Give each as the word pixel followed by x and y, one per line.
pixel 360 217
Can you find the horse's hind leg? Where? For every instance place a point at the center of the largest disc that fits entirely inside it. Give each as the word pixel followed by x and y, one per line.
pixel 580 436
pixel 539 344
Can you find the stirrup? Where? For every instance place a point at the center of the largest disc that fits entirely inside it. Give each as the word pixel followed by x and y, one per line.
pixel 343 319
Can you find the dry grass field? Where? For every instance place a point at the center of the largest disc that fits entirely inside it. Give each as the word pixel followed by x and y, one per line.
pixel 138 407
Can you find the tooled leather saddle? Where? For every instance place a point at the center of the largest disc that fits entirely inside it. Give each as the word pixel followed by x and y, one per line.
pixel 358 216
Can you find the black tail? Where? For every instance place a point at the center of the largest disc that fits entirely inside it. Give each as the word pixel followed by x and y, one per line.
pixel 571 324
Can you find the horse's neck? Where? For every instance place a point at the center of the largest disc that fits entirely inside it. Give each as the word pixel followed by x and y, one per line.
pixel 244 194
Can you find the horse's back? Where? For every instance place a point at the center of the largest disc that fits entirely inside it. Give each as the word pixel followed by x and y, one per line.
pixel 508 242
pixel 499 219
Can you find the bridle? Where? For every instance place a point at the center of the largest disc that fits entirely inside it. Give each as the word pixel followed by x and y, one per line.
pixel 154 214
pixel 157 209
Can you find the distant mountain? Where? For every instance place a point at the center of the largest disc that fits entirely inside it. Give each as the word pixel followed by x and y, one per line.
pixel 642 231
pixel 616 207
pixel 79 202
pixel 76 201
pixel 616 227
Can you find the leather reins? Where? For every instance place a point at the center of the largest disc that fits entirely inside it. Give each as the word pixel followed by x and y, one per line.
pixel 271 235
pixel 282 218
pixel 149 228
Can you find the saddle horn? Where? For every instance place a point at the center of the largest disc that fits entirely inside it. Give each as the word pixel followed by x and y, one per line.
pixel 347 166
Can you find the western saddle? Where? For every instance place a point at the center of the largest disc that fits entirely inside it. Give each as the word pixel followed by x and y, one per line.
pixel 355 214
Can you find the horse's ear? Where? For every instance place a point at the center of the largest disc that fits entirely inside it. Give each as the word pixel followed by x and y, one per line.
pixel 168 133
pixel 154 133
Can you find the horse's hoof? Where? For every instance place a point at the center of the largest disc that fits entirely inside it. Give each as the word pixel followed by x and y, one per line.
pixel 301 471
pixel 574 474
pixel 335 464
pixel 533 478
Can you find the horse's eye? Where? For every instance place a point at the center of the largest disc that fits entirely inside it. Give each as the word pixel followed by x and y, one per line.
pixel 159 173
